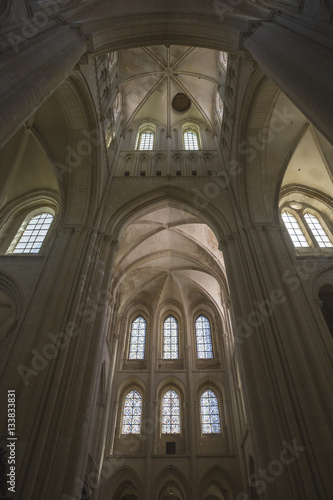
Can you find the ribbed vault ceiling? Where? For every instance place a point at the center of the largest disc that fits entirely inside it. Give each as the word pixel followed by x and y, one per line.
pixel 149 78
pixel 169 255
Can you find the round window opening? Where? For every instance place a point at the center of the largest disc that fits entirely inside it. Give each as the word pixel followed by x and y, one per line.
pixel 181 102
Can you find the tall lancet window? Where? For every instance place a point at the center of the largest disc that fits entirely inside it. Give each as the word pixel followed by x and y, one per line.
pixel 170 413
pixel 132 413
pixel 170 339
pixel 318 231
pixel 210 415
pixel 138 339
pixel 204 338
pixel 295 232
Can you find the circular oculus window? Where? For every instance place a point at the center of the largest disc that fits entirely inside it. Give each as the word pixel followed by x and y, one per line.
pixel 296 206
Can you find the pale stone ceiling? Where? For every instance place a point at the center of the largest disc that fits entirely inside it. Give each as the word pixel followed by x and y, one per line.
pixel 169 255
pixel 149 77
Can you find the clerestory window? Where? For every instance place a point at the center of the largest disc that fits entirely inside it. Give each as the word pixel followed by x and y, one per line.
pixel 306 230
pixel 295 232
pixel 203 338
pixel 318 231
pixel 132 413
pixel 170 413
pixel 170 339
pixel 146 140
pixel 31 234
pixel 210 414
pixel 191 141
pixel 138 339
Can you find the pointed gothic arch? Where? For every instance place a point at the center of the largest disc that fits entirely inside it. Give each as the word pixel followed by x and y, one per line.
pixel 171 478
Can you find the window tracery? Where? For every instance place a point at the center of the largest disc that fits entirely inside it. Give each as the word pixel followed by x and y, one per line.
pixel 295 232
pixel 138 338
pixel 305 229
pixel 191 141
pixel 131 423
pixel 31 234
pixel 170 413
pixel 170 338
pixel 145 141
pixel 317 230
pixel 203 338
pixel 210 415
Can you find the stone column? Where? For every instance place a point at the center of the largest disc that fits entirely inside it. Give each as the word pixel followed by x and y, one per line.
pixel 285 367
pixel 295 58
pixel 32 71
pixel 67 326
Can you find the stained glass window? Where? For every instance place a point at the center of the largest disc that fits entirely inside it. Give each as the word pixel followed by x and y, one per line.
pixel 191 140
pixel 170 338
pixel 295 232
pixel 138 339
pixel 210 415
pixel 146 141
pixel 318 231
pixel 34 234
pixel 132 413
pixel 204 338
pixel 170 413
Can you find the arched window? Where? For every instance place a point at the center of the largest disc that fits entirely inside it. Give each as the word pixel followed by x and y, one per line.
pixel 170 338
pixel 295 232
pixel 219 105
pixel 138 339
pixel 170 413
pixel 191 141
pixel 223 58
pixel 318 231
pixel 32 234
pixel 203 338
pixel 132 413
pixel 117 105
pixel 146 139
pixel 210 415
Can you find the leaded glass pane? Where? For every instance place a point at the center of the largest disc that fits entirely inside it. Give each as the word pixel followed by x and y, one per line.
pixel 138 339
pixel 34 234
pixel 132 413
pixel 210 415
pixel 170 413
pixel 318 231
pixel 191 140
pixel 294 230
pixel 204 338
pixel 146 141
pixel 170 338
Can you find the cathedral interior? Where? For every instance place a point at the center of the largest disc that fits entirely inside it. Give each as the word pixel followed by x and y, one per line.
pixel 166 249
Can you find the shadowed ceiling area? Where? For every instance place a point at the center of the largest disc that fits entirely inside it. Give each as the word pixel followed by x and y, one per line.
pixel 169 254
